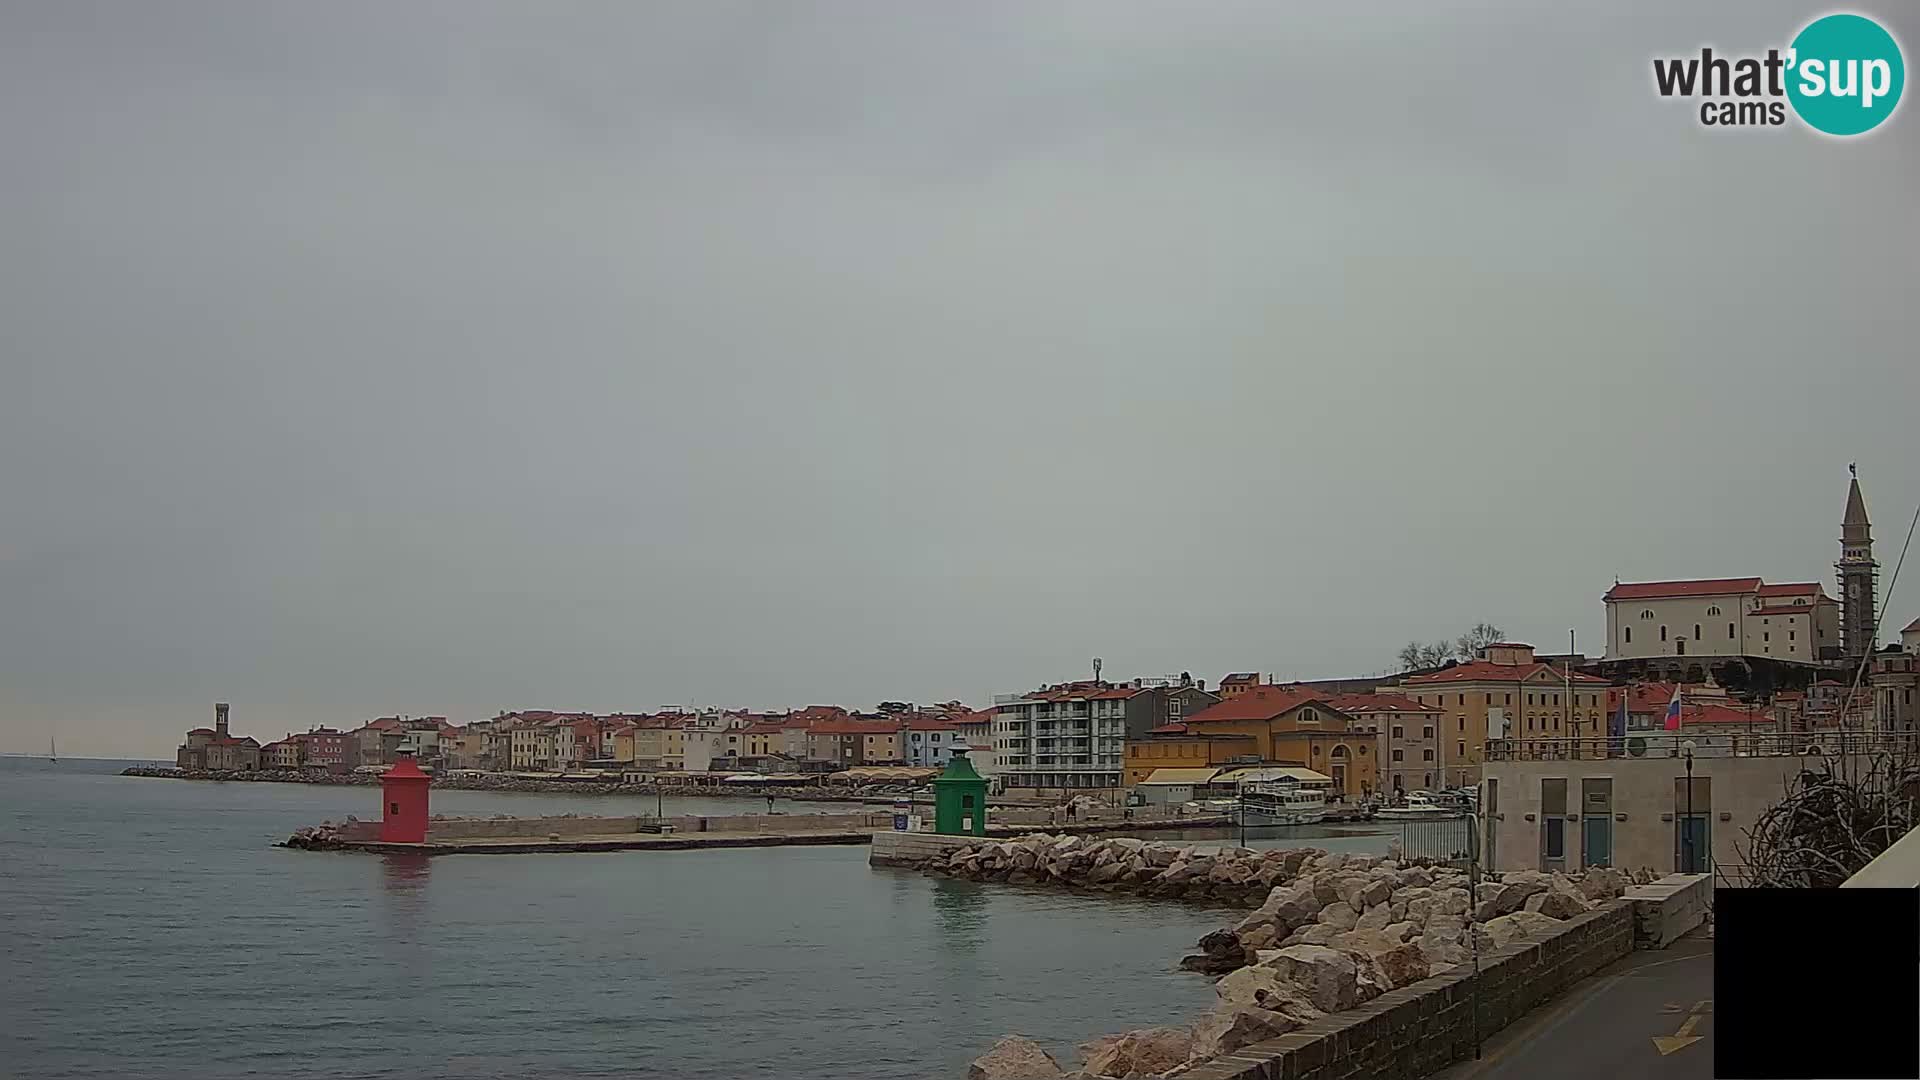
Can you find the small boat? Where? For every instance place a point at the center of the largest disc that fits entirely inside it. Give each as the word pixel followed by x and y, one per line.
pixel 1420 806
pixel 1284 804
pixel 53 752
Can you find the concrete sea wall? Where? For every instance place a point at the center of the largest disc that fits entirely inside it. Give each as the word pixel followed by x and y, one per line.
pixel 1411 1032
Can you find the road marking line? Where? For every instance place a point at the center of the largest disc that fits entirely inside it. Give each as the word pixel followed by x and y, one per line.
pixel 1685 1037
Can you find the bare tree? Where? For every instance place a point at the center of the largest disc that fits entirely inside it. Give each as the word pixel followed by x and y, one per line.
pixel 1832 822
pixel 1468 645
pixel 1415 654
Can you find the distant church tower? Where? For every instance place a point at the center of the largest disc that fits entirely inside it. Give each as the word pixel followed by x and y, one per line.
pixel 1859 574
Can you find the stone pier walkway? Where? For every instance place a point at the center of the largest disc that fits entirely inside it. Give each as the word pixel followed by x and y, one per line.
pixel 1649 1015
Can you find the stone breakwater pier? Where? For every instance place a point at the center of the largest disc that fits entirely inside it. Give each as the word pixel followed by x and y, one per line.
pixel 573 833
pixel 1347 965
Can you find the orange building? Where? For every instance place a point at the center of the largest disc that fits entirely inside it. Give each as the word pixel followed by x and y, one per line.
pixel 1280 725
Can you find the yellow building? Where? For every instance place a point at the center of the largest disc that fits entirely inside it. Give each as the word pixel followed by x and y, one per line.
pixel 1266 724
pixel 620 744
pixel 659 745
pixel 1164 749
pixel 1507 694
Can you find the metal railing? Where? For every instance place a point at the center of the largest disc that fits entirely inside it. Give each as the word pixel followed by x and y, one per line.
pixel 1441 840
pixel 1717 744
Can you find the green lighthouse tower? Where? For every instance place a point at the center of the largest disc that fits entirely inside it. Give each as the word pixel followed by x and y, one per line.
pixel 960 799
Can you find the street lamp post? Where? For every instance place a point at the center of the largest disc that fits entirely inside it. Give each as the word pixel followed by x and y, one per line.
pixel 1686 827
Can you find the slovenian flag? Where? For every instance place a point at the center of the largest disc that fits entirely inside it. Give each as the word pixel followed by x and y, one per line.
pixel 1673 711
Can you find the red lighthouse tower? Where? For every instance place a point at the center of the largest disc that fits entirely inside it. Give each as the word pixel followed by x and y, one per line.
pixel 404 799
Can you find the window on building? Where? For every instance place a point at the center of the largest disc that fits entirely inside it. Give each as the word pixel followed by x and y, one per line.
pixel 1507 699
pixel 1428 782
pixel 1766 637
pixel 1646 613
pixel 1629 635
pixel 1696 631
pixel 1791 635
pixel 1426 732
pixel 1663 633
pixel 1397 731
pixel 1397 755
pixel 1463 699
pixel 1729 631
pixel 1460 751
pixel 1426 755
pixel 1460 723
pixel 1715 610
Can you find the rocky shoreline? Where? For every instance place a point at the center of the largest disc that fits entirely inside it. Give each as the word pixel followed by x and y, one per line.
pixel 501 782
pixel 1328 932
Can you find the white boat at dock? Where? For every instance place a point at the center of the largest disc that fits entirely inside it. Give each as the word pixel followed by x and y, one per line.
pixel 1420 806
pixel 1284 803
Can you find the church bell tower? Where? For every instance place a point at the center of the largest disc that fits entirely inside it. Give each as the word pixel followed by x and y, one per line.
pixel 1859 575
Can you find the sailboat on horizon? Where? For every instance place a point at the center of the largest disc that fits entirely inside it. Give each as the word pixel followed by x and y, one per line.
pixel 53 751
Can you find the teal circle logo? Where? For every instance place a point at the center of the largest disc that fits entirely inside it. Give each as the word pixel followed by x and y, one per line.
pixel 1845 74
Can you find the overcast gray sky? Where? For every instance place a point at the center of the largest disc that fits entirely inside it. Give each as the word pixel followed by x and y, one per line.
pixel 446 357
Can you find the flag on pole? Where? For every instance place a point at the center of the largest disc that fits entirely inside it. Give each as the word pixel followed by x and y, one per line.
pixel 1617 723
pixel 1673 711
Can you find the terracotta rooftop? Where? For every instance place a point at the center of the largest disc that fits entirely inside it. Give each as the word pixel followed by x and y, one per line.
pixel 1258 703
pixel 1655 590
pixel 1488 671
pixel 1360 703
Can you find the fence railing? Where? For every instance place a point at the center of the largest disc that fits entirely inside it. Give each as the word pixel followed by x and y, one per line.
pixel 1718 744
pixel 1448 840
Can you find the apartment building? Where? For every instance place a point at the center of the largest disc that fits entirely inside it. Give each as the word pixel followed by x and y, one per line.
pixel 1406 738
pixel 1506 694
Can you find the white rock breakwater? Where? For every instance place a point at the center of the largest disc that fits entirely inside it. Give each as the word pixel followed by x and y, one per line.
pixel 1328 932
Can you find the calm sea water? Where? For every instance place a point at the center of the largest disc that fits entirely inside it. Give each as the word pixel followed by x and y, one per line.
pixel 147 928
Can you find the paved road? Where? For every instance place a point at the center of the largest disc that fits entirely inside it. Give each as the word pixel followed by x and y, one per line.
pixel 1607 1026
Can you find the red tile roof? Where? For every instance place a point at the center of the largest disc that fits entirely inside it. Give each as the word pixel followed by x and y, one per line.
pixel 1258 703
pixel 1239 677
pixel 931 723
pixel 1118 693
pixel 855 727
pixel 1364 703
pixel 1488 671
pixel 1719 714
pixel 201 731
pixel 1793 588
pixel 1175 728
pixel 1912 627
pixel 1641 697
pixel 764 729
pixel 1654 590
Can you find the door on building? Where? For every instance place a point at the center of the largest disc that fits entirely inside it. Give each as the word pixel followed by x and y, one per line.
pixel 1693 848
pixel 1596 821
pixel 1679 646
pixel 1597 843
pixel 1553 824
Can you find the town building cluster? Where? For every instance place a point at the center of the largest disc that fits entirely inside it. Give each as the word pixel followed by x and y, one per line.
pixel 1711 659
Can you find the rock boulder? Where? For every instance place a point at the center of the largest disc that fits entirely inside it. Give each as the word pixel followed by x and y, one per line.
pixel 1227 1029
pixel 1015 1057
pixel 1328 976
pixel 1144 1052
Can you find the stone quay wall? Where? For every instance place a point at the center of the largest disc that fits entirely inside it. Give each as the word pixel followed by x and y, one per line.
pixel 914 849
pixel 1414 1031
pixel 453 828
pixel 1665 909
